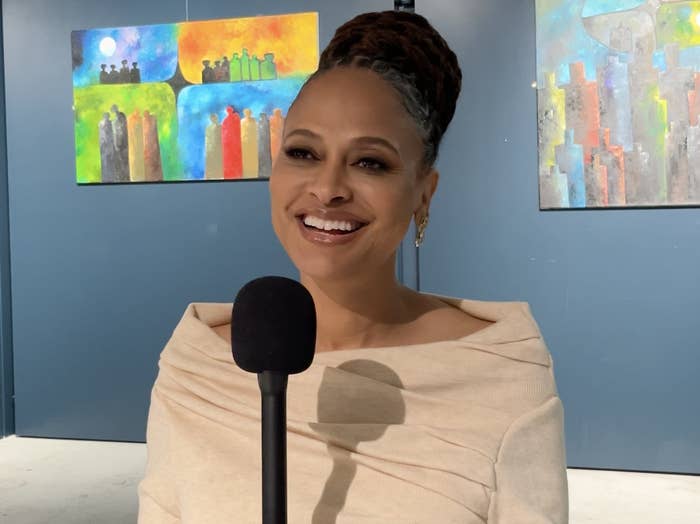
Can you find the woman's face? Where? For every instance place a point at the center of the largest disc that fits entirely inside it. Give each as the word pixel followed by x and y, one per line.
pixel 349 176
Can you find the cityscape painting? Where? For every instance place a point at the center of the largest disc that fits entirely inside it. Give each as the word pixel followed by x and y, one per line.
pixel 187 101
pixel 618 95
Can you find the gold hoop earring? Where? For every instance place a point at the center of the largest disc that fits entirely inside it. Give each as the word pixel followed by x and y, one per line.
pixel 420 232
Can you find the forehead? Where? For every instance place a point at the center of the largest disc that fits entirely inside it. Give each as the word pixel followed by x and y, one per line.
pixel 352 100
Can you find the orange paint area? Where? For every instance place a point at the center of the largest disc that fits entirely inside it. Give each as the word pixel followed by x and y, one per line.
pixel 287 37
pixel 582 110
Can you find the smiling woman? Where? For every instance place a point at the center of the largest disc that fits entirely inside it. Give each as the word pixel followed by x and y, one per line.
pixel 363 169
pixel 449 405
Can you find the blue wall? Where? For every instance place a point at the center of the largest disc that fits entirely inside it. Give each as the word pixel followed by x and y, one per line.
pixel 616 293
pixel 102 274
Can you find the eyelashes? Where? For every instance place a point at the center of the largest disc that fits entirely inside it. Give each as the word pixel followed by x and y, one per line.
pixel 298 153
pixel 371 164
pixel 367 163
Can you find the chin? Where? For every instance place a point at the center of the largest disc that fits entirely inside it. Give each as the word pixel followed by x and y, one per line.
pixel 324 268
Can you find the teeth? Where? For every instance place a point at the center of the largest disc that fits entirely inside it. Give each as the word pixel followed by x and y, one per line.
pixel 330 225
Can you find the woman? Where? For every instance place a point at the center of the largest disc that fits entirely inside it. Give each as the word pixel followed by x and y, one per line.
pixel 417 408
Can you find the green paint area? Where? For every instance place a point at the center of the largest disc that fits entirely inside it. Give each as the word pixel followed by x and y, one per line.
pixel 653 112
pixel 93 101
pixel 679 23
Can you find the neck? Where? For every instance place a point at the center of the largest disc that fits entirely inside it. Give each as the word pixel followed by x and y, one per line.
pixel 357 312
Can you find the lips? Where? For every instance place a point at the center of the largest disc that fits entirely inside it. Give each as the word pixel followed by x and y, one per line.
pixel 329 227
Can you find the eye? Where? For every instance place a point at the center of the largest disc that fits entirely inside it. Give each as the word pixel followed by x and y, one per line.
pixel 371 164
pixel 299 153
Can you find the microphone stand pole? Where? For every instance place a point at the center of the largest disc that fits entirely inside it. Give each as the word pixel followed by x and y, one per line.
pixel 273 386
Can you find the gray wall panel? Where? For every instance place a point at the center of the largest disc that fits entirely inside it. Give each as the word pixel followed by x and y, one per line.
pixel 7 414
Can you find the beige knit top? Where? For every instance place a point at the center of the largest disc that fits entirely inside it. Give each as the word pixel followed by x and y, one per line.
pixel 462 431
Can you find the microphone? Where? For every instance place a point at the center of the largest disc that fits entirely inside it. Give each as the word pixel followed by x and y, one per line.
pixel 273 334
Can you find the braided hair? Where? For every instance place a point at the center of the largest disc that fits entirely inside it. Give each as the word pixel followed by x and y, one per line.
pixel 409 53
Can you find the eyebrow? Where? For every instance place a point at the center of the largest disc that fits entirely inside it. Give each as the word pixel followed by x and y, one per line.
pixel 303 132
pixel 377 140
pixel 362 139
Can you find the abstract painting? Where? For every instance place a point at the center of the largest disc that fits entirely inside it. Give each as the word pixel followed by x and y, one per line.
pixel 618 96
pixel 187 101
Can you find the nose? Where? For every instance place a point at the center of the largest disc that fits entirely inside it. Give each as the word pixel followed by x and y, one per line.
pixel 330 185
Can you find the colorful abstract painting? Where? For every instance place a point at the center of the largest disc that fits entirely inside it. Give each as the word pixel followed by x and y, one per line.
pixel 618 102
pixel 187 101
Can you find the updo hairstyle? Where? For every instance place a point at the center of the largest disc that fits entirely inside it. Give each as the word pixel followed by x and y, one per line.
pixel 405 50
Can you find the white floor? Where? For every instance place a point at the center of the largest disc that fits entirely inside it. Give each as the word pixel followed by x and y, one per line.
pixel 84 482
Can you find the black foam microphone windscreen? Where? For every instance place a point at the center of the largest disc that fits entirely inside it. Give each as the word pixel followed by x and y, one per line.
pixel 273 326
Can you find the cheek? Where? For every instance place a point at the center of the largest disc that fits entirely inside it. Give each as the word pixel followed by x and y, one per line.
pixel 285 190
pixel 403 199
pixel 396 209
pixel 277 204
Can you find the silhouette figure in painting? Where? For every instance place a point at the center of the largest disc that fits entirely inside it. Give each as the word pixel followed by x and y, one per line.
pixel 136 167
pixel 264 157
pixel 104 75
pixel 151 149
pixel 113 75
pixel 268 69
pixel 135 73
pixel 213 161
pixel 254 68
pixel 235 68
pixel 207 72
pixel 245 65
pixel 249 145
pixel 218 72
pixel 124 74
pixel 694 100
pixel 107 151
pixel 276 126
pixel 121 145
pixel 225 69
pixel 231 142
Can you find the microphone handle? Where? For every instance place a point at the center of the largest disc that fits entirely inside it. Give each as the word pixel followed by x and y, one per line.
pixel 273 386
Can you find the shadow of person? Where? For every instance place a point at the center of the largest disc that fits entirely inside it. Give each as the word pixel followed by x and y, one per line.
pixel 350 413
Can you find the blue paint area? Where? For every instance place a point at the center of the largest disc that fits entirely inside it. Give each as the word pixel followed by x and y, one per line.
pixel 659 60
pixel 154 47
pixel 689 57
pixel 562 38
pixel 684 11
pixel 196 103
pixel 561 42
pixel 599 7
pixel 570 160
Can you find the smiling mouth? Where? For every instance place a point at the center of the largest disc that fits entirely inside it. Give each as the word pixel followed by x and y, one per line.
pixel 331 227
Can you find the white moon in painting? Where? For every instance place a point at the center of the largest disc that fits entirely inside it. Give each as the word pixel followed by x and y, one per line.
pixel 108 46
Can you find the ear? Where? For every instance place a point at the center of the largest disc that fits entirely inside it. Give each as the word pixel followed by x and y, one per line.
pixel 428 185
